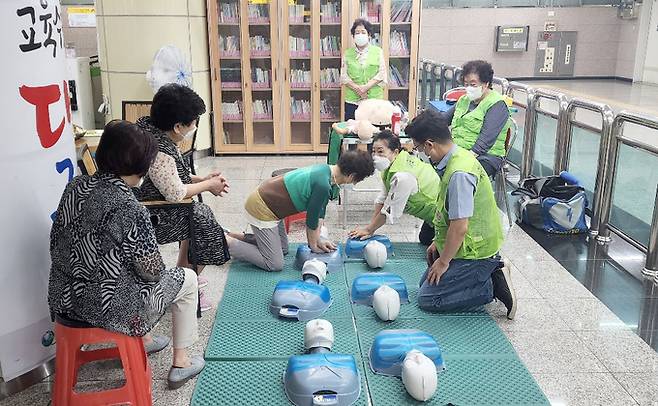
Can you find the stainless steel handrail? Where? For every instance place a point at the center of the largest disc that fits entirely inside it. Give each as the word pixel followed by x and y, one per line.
pixel 601 223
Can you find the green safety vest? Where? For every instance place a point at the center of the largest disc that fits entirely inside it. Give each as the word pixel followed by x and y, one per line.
pixel 466 125
pixel 421 204
pixel 484 236
pixel 361 74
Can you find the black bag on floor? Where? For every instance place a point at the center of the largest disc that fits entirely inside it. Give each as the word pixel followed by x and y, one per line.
pixel 552 204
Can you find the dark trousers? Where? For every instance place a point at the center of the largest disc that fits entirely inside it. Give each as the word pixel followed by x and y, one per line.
pixel 488 168
pixel 350 109
pixel 426 234
pixel 465 285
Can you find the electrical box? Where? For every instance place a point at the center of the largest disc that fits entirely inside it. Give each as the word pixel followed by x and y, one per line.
pixel 556 53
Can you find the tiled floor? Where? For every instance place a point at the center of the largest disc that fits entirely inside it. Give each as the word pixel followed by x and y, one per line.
pixel 579 352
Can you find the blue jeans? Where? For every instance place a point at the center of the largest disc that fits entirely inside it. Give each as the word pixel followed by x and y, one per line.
pixel 466 284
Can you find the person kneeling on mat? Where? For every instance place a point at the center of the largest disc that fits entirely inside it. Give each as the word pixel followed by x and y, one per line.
pixel 410 186
pixel 305 189
pixel 465 269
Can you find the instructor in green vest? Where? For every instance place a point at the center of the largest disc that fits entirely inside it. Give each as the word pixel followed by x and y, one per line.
pixel 465 269
pixel 480 119
pixel 411 186
pixel 363 69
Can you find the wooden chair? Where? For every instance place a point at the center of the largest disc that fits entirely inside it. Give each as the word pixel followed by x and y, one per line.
pixel 86 162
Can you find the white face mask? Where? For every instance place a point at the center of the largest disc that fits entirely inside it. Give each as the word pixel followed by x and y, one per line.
pixel 190 133
pixel 140 182
pixel 381 163
pixel 473 92
pixel 361 39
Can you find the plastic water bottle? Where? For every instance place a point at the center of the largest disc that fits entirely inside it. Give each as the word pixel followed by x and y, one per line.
pixel 396 119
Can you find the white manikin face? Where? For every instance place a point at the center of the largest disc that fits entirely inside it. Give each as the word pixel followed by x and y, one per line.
pixel 375 254
pixel 419 375
pixel 318 333
pixel 316 268
pixel 386 302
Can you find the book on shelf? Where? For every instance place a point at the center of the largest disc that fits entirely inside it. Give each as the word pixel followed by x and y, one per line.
pixel 300 78
pixel 261 78
pixel 398 76
pixel 259 13
pixel 259 46
pixel 299 46
pixel 232 110
pixel 297 14
pixel 330 46
pixel 371 10
pixel 330 12
pixel 229 45
pixel 230 75
pixel 300 108
pixel 399 44
pixel 330 78
pixel 327 110
pixel 401 12
pixel 262 109
pixel 228 13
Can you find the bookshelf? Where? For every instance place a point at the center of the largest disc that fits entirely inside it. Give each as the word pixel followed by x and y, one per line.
pixel 275 68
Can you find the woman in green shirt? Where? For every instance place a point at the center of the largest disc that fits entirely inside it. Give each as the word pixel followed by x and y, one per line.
pixel 306 189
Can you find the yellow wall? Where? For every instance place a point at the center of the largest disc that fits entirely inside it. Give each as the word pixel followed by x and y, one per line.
pixel 130 32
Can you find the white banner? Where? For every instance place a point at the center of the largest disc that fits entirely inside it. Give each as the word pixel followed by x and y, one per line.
pixel 37 159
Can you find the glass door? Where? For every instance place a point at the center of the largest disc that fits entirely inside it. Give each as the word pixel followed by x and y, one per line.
pixel 400 66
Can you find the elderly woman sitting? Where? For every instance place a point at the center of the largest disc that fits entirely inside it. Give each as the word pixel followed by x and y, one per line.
pixel 173 118
pixel 106 268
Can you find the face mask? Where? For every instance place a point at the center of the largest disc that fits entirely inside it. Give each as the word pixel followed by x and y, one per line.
pixel 361 39
pixel 381 163
pixel 190 133
pixel 422 156
pixel 140 182
pixel 473 92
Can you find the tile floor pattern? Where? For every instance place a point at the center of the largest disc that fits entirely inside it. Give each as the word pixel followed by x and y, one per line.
pixel 579 352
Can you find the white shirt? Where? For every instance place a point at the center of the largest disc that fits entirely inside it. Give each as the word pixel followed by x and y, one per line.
pixel 403 185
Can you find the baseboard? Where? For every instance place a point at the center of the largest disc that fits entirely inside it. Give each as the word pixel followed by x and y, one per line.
pixel 522 78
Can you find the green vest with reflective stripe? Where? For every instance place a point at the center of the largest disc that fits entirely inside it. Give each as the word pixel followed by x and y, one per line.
pixel 466 125
pixel 421 204
pixel 485 234
pixel 361 74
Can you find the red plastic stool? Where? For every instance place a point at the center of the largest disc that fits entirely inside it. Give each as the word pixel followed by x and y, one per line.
pixel 292 218
pixel 71 335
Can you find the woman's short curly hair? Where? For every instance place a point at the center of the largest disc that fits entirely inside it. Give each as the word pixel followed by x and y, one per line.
pixel 357 163
pixel 174 103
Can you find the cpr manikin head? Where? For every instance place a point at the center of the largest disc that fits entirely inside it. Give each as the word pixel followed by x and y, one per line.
pixel 419 375
pixel 318 335
pixel 477 77
pixel 430 134
pixel 375 254
pixel 385 148
pixel 314 270
pixel 386 302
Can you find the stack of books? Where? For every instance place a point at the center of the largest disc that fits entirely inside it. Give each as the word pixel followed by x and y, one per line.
pixel 327 111
pixel 371 10
pixel 259 46
pixel 401 12
pixel 300 109
pixel 299 47
pixel 330 13
pixel 232 110
pixel 398 77
pixel 262 109
pixel 330 78
pixel 259 13
pixel 230 77
pixel 330 46
pixel 261 78
pixel 300 79
pixel 296 13
pixel 228 13
pixel 229 46
pixel 399 43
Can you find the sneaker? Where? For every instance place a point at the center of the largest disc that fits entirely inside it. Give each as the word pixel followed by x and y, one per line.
pixel 159 343
pixel 179 376
pixel 503 289
pixel 204 302
pixel 201 282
